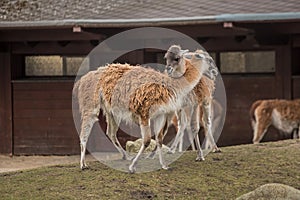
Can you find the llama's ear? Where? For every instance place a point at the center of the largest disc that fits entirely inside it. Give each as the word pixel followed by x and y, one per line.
pixel 165 57
pixel 183 52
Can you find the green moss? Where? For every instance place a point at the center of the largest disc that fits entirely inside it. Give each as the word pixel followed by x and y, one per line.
pixel 227 175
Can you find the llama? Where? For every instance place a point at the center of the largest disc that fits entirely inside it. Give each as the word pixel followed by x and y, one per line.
pixel 282 114
pixel 190 116
pixel 136 94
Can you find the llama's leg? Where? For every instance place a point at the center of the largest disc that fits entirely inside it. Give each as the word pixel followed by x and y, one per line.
pixel 146 136
pixel 182 121
pixel 180 145
pixel 261 126
pixel 164 131
pixel 159 127
pixel 86 127
pixel 111 132
pixel 207 124
pixel 186 127
pixel 191 138
pixel 295 133
pixel 195 126
pixel 298 133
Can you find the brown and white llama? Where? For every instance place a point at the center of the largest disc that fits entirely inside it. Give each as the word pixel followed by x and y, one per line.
pixel 282 114
pixel 136 94
pixel 199 109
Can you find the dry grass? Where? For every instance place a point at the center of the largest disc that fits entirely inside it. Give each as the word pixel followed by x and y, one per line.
pixel 238 170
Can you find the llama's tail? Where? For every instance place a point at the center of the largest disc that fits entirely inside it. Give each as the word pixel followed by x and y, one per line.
pixel 252 111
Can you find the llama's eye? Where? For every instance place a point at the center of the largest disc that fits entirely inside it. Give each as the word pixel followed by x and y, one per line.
pixel 176 59
pixel 199 56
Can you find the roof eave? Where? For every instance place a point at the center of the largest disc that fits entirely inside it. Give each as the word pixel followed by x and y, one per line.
pixel 120 23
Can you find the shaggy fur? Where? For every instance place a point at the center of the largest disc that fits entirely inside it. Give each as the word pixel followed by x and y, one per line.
pixel 134 94
pixel 203 93
pixel 282 114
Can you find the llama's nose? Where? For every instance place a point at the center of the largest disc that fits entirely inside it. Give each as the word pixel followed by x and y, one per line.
pixel 169 69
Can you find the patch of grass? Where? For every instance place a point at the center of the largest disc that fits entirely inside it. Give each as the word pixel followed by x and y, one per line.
pixel 227 175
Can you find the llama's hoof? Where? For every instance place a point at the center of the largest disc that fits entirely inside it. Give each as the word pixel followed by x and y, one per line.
pixel 165 167
pixel 199 159
pixel 170 151
pixel 84 167
pixel 127 157
pixel 217 150
pixel 151 155
pixel 132 169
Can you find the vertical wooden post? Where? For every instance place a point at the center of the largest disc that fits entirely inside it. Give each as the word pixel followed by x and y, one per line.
pixel 284 72
pixel 6 135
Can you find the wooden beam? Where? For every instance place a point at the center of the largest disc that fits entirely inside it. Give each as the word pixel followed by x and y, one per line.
pixel 283 72
pixel 47 35
pixel 296 40
pixel 75 47
pixel 211 30
pixel 272 28
pixel 6 132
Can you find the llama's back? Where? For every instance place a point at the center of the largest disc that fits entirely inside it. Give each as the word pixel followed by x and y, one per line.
pixel 289 110
pixel 84 90
pixel 138 90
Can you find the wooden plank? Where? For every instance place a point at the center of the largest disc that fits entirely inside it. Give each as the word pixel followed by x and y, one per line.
pixel 43 85
pixel 20 95
pixel 296 87
pixel 43 123
pixel 287 71
pixel 6 140
pixel 48 35
pixel 40 113
pixel 43 104
pixel 47 150
pixel 241 92
pixel 74 48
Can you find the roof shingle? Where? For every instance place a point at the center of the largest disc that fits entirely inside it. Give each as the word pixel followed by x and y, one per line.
pixel 45 10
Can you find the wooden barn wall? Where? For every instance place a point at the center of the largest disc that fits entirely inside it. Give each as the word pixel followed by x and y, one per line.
pixel 241 92
pixel 6 131
pixel 43 122
pixel 296 87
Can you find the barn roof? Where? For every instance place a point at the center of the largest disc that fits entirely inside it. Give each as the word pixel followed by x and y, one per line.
pixel 116 13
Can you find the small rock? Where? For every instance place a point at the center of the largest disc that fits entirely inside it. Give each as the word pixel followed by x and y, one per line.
pixel 134 146
pixel 272 191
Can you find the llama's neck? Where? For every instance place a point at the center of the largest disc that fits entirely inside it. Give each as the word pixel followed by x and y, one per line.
pixel 191 76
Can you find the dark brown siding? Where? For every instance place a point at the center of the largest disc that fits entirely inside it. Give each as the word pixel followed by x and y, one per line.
pixel 43 122
pixel 5 105
pixel 241 93
pixel 296 87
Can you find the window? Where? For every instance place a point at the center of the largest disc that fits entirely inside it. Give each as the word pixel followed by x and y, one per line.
pixel 53 65
pixel 72 65
pixel 237 62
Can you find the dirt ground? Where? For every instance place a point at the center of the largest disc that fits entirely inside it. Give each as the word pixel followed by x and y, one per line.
pixel 15 163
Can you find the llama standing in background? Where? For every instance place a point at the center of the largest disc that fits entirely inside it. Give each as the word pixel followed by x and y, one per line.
pixel 282 114
pixel 137 94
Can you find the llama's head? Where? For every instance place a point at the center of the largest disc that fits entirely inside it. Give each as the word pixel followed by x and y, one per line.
pixel 177 58
pixel 175 62
pixel 212 71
